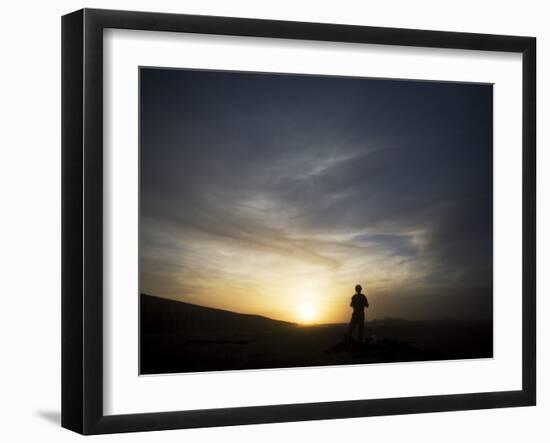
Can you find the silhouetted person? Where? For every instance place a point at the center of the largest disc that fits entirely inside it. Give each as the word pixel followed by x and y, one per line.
pixel 358 302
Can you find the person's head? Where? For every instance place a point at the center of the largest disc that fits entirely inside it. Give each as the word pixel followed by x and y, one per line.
pixel 358 289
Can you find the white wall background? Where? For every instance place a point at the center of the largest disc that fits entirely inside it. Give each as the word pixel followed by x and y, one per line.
pixel 30 218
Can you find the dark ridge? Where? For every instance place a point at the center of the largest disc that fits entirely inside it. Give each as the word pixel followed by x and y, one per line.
pixel 161 315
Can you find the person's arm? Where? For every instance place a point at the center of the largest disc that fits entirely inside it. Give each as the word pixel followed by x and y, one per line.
pixel 366 301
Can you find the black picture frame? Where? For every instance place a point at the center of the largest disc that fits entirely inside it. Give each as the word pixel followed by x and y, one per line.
pixel 82 221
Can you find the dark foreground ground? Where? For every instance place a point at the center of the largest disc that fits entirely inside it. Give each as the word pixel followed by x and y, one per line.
pixel 180 337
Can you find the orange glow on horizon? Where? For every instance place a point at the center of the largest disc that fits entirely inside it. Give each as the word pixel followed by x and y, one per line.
pixel 307 314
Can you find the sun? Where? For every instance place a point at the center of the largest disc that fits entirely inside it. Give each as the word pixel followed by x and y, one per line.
pixel 307 313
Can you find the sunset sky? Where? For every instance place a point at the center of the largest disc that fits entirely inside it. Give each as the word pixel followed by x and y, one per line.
pixel 277 194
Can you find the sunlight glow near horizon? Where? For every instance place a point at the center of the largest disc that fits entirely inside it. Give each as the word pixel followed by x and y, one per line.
pixel 307 313
pixel 310 286
pixel 277 286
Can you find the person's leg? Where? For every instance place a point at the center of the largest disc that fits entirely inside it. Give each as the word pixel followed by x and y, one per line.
pixel 351 327
pixel 361 328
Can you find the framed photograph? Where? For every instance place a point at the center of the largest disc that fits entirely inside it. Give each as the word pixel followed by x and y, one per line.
pixel 269 221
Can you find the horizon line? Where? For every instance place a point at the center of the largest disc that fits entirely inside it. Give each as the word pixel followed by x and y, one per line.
pixel 402 319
